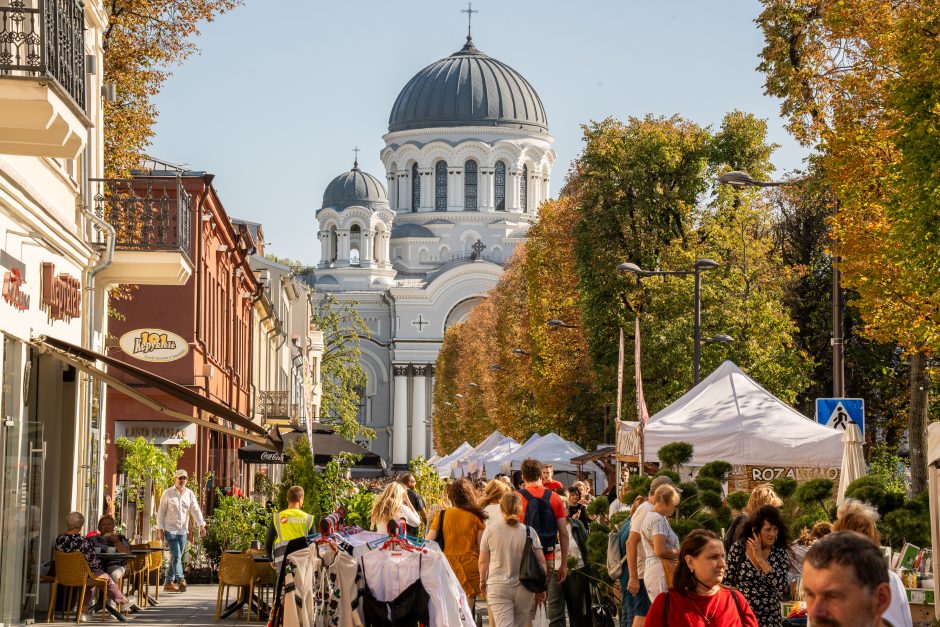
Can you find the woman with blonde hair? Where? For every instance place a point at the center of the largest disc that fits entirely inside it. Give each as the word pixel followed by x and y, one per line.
pixel 393 505
pixel 501 551
pixel 854 515
pixel 492 495
pixel 660 542
pixel 762 495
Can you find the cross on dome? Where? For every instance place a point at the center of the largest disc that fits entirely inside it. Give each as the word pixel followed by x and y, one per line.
pixel 356 161
pixel 469 11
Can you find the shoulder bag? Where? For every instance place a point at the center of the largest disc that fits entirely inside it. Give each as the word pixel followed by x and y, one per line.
pixel 531 575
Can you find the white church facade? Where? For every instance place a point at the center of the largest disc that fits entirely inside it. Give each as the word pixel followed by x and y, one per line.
pixel 468 159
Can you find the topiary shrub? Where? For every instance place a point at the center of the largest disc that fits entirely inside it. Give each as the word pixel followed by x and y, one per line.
pixel 784 487
pixel 717 470
pixel 871 490
pixel 738 500
pixel 675 455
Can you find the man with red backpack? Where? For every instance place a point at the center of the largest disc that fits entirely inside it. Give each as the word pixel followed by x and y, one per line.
pixel 544 511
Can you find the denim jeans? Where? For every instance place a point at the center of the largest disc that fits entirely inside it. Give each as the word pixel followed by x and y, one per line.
pixel 177 544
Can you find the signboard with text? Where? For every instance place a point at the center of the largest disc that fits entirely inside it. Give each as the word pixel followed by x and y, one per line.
pixel 154 345
pixel 156 432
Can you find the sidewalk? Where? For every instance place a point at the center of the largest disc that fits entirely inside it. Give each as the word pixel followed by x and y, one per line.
pixel 196 606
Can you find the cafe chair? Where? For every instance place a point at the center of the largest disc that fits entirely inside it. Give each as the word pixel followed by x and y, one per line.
pixel 236 570
pixel 72 571
pixel 266 577
pixel 154 564
pixel 135 576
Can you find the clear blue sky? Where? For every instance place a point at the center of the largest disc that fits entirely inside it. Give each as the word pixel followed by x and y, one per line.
pixel 282 91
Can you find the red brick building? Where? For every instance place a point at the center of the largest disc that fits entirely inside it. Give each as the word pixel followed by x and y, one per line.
pixel 197 335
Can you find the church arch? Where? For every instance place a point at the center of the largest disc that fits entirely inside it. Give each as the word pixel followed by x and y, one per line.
pixel 355 244
pixel 332 244
pixel 470 185
pixel 440 186
pixel 445 253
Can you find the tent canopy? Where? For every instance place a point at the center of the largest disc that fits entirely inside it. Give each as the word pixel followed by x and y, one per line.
pixel 445 464
pixel 557 451
pixel 729 417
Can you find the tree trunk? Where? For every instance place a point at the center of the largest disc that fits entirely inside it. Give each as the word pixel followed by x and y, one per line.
pixel 917 421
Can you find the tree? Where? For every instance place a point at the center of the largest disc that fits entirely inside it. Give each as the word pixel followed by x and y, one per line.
pixel 341 374
pixel 142 41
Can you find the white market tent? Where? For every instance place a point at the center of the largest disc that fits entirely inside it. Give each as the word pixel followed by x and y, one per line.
pixel 461 465
pixel 728 416
pixel 445 464
pixel 557 451
pixel 489 461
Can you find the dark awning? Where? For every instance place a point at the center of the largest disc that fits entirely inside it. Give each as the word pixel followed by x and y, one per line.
pixel 78 357
pixel 327 444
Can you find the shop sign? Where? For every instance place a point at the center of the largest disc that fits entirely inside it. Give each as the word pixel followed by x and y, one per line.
pixel 14 290
pixel 61 294
pixel 156 432
pixel 154 345
pixel 747 477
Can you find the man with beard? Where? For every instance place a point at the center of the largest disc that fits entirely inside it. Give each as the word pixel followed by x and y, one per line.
pixel 845 582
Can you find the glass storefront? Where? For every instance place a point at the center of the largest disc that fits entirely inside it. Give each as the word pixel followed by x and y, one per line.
pixel 22 448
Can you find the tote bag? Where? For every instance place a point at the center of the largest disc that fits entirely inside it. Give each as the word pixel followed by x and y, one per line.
pixel 531 575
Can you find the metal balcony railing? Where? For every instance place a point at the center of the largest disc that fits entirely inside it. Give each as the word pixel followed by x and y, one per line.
pixel 276 405
pixel 147 213
pixel 45 39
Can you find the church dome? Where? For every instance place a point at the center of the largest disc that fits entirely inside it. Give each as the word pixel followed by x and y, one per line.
pixel 400 231
pixel 355 189
pixel 468 88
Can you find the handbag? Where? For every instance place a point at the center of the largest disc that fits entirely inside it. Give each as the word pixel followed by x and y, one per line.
pixel 531 574
pixel 602 610
pixel 440 530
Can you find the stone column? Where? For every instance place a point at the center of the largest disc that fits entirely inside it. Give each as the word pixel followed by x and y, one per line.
pixel 342 245
pixel 400 416
pixel 366 254
pixel 392 191
pixel 427 189
pixel 485 190
pixel 404 191
pixel 419 412
pixel 457 181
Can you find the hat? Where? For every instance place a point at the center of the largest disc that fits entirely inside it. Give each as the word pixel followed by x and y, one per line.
pixel 182 473
pixel 663 480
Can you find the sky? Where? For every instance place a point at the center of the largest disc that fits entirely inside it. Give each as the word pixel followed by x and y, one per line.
pixel 281 92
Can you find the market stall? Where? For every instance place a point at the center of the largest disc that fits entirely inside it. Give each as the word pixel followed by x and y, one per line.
pixel 728 416
pixel 557 451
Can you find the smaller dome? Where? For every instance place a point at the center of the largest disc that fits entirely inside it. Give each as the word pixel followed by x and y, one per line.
pixel 355 189
pixel 411 230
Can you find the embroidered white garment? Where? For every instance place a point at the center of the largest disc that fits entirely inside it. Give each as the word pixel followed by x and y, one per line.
pixel 325 580
pixel 388 573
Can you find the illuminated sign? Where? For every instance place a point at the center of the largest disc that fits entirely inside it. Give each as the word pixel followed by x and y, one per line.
pixel 156 345
pixel 14 290
pixel 61 294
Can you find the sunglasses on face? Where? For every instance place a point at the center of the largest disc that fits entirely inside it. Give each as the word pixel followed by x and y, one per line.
pixel 181 478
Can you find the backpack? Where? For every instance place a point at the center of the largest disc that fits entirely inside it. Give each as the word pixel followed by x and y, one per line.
pixel 540 516
pixel 616 558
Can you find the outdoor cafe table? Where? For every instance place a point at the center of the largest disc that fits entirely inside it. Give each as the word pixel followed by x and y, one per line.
pixel 242 599
pixel 111 559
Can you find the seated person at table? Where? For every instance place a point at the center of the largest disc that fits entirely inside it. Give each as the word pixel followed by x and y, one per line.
pixel 72 541
pixel 107 538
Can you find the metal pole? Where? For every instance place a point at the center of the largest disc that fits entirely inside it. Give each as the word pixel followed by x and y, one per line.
pixel 838 356
pixel 697 326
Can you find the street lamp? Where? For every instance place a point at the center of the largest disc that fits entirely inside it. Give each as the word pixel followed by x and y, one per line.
pixel 721 338
pixel 458 395
pixel 697 268
pixel 743 179
pixel 496 367
pixel 518 351
pixel 473 385
pixel 559 324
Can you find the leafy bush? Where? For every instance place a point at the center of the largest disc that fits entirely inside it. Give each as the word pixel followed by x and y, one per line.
pixel 717 470
pixel 359 509
pixel 675 455
pixel 873 491
pixel 236 522
pixel 784 487
pixel 887 468
pixel 738 500
pixel 428 482
pixel 324 490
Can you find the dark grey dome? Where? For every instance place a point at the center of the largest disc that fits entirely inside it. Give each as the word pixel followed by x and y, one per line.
pixel 468 88
pixel 355 188
pixel 411 230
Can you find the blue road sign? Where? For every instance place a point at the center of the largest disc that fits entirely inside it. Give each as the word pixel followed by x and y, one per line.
pixel 839 412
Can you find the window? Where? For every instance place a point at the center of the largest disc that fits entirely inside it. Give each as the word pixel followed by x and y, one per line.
pixel 415 188
pixel 440 186
pixel 470 186
pixel 355 243
pixel 499 186
pixel 524 189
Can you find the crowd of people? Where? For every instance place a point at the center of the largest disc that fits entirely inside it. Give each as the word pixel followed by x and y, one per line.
pixel 742 579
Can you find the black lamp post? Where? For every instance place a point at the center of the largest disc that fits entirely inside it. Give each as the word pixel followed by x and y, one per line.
pixel 697 268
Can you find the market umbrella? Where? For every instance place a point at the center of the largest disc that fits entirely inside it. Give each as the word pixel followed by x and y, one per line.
pixel 327 444
pixel 853 460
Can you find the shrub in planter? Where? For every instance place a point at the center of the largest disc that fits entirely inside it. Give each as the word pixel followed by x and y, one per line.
pixel 236 522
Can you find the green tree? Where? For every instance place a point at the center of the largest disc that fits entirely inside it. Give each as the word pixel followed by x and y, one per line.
pixel 341 374
pixel 324 489
pixel 147 465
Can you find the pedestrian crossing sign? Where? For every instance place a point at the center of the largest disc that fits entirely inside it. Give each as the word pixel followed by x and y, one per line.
pixel 838 413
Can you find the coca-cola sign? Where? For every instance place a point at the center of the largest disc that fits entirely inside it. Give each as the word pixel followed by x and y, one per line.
pixel 271 456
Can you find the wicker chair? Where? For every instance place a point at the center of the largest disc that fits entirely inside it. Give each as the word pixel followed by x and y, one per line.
pixel 72 571
pixel 238 571
pixel 266 577
pixel 154 564
pixel 136 579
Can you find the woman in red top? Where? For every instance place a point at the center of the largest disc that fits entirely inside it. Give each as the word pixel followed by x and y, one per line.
pixel 697 598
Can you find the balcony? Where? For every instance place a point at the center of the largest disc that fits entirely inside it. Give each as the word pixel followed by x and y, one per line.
pixel 151 217
pixel 42 78
pixel 276 407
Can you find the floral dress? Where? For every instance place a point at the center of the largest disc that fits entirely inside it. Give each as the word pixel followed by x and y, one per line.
pixel 77 543
pixel 763 592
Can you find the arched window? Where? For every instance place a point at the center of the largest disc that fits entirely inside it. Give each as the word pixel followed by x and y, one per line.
pixel 440 186
pixel 333 244
pixel 470 186
pixel 415 188
pixel 355 243
pixel 499 186
pixel 524 189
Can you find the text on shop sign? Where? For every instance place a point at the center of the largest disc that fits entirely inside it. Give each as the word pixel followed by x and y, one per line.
pixel 61 294
pixel 13 291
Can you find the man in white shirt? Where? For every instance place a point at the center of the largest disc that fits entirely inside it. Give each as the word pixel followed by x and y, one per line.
pixel 176 506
